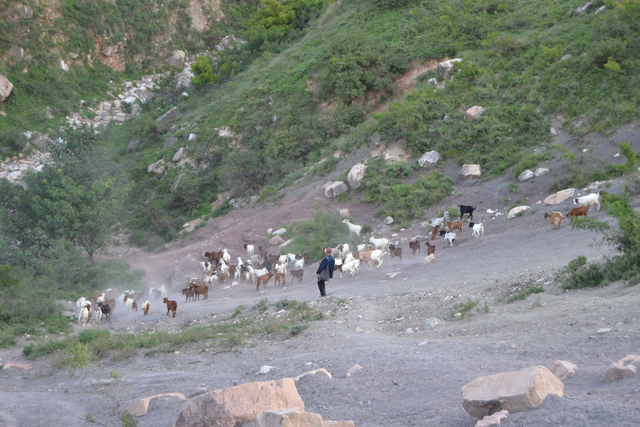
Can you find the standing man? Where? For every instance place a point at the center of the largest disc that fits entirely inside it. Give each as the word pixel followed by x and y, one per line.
pixel 325 271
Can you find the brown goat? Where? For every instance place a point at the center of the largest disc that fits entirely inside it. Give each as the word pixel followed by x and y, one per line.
pixel 262 253
pixel 199 290
pixel 434 232
pixel 280 279
pixel 94 297
pixel 112 304
pixel 555 218
pixel 171 306
pixel 146 306
pixel 297 274
pixel 263 280
pixel 188 294
pixel 576 212
pixel 431 249
pixel 394 251
pixel 414 245
pixel 456 225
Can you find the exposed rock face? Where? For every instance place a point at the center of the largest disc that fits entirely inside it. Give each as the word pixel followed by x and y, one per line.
pixel 25 11
pixel 294 417
pixel 470 172
pixel 133 145
pixel 176 59
pixel 237 405
pixel 5 88
pixel 474 113
pixel 334 189
pixel 625 367
pixel 445 68
pixel 493 420
pixel 429 159
pixel 141 406
pixel 563 369
pixel 515 211
pixel 168 117
pixel 17 51
pixel 515 391
pixel 525 175
pixel 180 154
pixel 559 197
pixel 356 174
pixel 156 168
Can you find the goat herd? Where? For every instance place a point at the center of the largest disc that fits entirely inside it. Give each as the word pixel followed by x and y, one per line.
pixel 218 267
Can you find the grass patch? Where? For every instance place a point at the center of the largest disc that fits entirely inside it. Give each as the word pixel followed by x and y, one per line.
pixel 522 294
pixel 462 309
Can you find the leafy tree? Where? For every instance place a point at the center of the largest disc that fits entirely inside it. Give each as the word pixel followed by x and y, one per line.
pixel 203 73
pixel 168 87
pixel 274 14
pixel 6 278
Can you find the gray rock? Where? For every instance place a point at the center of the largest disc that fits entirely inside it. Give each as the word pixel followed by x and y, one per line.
pixel 541 171
pixel 176 59
pixel 474 113
pixel 193 137
pixel 280 231
pixel 17 51
pixel 432 322
pixel 582 9
pixel 432 82
pixel 156 168
pixel 64 67
pixel 554 132
pixel 429 159
pixel 130 99
pixel 41 141
pixel 5 88
pixel 526 175
pixel 565 57
pixel 470 172
pixel 176 182
pixel 120 117
pixel 285 244
pixel 133 145
pixel 445 68
pixel 276 241
pixel 27 135
pixel 356 174
pixel 109 50
pixel 334 189
pixel 168 117
pixel 180 154
pixel 625 367
pixel 25 11
pixel 169 142
pixel 601 9
pixel 388 221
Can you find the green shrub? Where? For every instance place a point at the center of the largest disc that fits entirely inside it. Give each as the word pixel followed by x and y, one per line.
pixel 13 139
pixel 203 73
pixel 90 335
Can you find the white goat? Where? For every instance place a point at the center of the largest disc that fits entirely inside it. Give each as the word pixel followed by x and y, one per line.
pixel 98 314
pixel 299 264
pixel 206 266
pixel 83 316
pixel 211 277
pixel 225 256
pixel 291 258
pixel 345 250
pixel 363 247
pixel 82 302
pixel 283 259
pixel 250 249
pixel 477 229
pixel 449 237
pixel 281 268
pixel 379 243
pixel 131 305
pixel 353 228
pixel 377 257
pixel 588 200
pixel 351 266
pixel 163 290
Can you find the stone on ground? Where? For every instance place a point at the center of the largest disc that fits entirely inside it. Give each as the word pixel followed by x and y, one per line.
pixel 294 417
pixel 429 159
pixel 320 371
pixel 180 154
pixel 168 117
pixel 133 145
pixel 559 197
pixel 280 231
pixel 156 168
pixel 5 88
pixel 563 369
pixel 334 189
pixel 388 221
pixel 141 406
pixel 356 174
pixel 525 175
pixel 474 113
pixel 514 391
pixel 540 171
pixel 445 68
pixel 493 420
pixel 625 367
pixel 176 60
pixel 344 212
pixel 470 172
pixel 352 370
pixel 238 405
pixel 515 211
pixel 276 240
pixel 582 9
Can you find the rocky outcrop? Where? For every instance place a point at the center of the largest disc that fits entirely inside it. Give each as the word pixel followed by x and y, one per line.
pixel 474 113
pixel 41 141
pixel 625 367
pixel 356 174
pixel 293 417
pixel 334 189
pixel 445 68
pixel 563 369
pixel 429 159
pixel 176 59
pixel 17 52
pixel 156 168
pixel 169 142
pixel 168 117
pixel 559 197
pixel 5 88
pixel 180 154
pixel 24 11
pixel 470 171
pixel 238 405
pixel 514 391
pixel 141 406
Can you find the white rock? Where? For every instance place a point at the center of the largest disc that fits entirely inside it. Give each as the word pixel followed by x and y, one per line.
pixel 601 9
pixel 130 99
pixel 445 68
pixel 554 132
pixel 474 113
pixel 513 212
pixel 356 174
pixel 525 175
pixel 565 57
pixel 470 171
pixel 431 322
pixel 541 171
pixel 193 137
pixel 490 211
pixel 334 189
pixel 579 11
pixel 280 231
pixel 179 155
pixel 388 221
pixel 63 66
pixel 265 369
pixel 429 159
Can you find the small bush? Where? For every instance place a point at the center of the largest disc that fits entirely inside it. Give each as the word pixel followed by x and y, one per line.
pixel 90 335
pixel 524 293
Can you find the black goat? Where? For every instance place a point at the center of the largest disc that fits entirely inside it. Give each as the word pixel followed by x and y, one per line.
pixel 466 210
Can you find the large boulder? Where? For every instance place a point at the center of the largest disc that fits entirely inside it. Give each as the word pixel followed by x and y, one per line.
pixel 514 391
pixel 625 367
pixel 276 241
pixel 474 113
pixel 470 172
pixel 429 159
pixel 445 68
pixel 356 174
pixel 156 168
pixel 176 59
pixel 24 11
pixel 334 189
pixel 541 171
pixel 17 51
pixel 525 175
pixel 559 197
pixel 237 405
pixel 168 117
pixel 133 145
pixel 5 88
pixel 180 154
pixel 515 211
pixel 294 417
pixel 141 406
